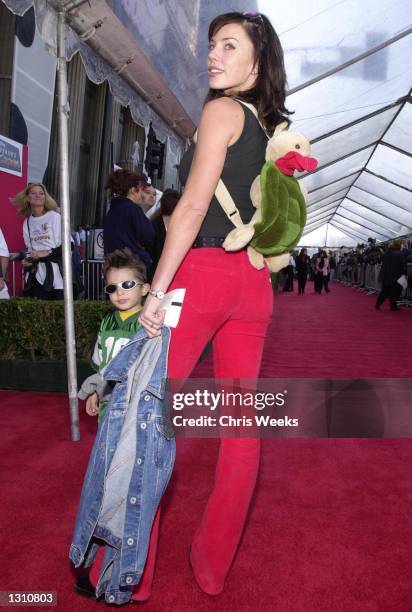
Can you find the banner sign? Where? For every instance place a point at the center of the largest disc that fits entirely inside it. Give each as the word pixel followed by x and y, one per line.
pixel 11 156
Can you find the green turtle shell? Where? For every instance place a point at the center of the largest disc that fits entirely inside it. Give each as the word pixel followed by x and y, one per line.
pixel 283 212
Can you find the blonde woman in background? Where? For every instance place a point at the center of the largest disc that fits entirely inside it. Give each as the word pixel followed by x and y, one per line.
pixel 42 237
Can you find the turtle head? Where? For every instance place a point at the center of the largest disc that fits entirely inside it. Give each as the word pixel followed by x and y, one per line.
pixel 283 141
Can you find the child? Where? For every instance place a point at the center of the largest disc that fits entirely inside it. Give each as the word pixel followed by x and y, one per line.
pixel 125 283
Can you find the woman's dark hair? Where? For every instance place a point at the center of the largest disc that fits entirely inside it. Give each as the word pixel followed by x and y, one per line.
pixel 302 252
pixel 269 92
pixel 168 201
pixel 124 258
pixel 120 182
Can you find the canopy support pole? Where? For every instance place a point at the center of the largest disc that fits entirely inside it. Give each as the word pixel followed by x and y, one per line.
pixel 63 112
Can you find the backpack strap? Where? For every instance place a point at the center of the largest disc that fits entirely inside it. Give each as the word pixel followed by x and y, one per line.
pixel 225 200
pixel 222 194
pixel 254 111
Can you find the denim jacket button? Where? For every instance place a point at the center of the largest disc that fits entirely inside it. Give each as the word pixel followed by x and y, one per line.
pixel 143 426
pixel 138 461
pixel 133 500
pixel 146 398
pixel 111 598
pixel 129 580
pixel 130 541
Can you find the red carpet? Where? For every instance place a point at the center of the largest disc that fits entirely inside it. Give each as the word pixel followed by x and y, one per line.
pixel 330 528
pixel 335 335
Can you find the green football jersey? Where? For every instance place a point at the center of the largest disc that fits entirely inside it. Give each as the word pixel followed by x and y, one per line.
pixel 113 335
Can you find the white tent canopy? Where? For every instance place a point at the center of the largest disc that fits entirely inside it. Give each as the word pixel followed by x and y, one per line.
pixel 348 67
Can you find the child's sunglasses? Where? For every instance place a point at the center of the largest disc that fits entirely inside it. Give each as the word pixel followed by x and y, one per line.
pixel 126 285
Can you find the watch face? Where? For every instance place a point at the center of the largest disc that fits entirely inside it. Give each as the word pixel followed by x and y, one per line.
pixel 160 294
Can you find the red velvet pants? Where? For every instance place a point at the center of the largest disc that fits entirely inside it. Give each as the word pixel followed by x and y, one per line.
pixel 229 302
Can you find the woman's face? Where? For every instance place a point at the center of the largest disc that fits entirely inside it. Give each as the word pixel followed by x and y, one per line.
pixel 37 199
pixel 230 60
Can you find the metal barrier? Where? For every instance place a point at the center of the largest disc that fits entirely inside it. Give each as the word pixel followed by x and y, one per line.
pixel 91 273
pixel 13 274
pixel 93 279
pixel 365 277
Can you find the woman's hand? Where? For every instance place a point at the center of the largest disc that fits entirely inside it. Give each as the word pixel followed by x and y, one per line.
pixel 151 317
pixel 39 254
pixel 92 404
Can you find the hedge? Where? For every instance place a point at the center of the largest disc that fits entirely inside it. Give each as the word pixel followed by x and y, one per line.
pixel 34 329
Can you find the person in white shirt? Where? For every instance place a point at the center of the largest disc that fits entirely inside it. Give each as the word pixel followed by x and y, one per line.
pixel 322 273
pixel 4 262
pixel 290 273
pixel 42 237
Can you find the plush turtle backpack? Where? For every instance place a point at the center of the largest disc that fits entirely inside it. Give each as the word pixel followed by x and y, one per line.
pixel 279 199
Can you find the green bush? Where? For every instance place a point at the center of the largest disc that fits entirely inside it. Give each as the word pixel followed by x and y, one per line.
pixel 34 329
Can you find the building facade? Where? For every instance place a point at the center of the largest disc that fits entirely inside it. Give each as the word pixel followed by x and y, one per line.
pixel 102 132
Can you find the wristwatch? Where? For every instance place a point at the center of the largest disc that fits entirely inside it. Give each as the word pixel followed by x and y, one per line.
pixel 159 294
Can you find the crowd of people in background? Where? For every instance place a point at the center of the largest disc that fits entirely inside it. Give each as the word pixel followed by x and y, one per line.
pixel 322 266
pixel 137 219
pixel 319 268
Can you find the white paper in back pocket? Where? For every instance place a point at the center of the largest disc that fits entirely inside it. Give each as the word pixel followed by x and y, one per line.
pixel 172 303
pixel 403 281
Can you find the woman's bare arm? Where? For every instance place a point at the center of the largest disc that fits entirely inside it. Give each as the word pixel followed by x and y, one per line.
pixel 220 125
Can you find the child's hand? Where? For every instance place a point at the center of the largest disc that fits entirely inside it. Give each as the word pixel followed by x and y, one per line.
pixel 92 404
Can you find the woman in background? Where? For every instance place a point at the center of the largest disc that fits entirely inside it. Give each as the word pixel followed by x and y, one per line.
pixel 302 269
pixel 42 237
pixel 322 273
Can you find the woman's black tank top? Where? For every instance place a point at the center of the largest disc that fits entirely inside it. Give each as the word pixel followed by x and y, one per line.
pixel 243 163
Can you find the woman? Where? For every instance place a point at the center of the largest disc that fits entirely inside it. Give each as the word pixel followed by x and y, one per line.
pixel 302 269
pixel 227 300
pixel 42 237
pixel 125 225
pixel 322 273
pixel 289 273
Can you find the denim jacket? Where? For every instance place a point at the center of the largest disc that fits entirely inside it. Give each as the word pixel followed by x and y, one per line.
pixel 129 467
